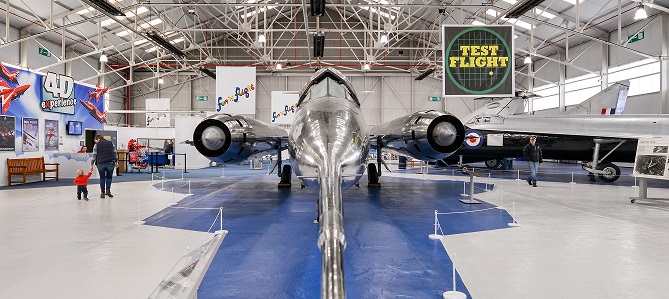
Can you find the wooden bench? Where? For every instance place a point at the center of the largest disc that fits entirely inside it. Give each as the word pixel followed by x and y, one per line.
pixel 26 166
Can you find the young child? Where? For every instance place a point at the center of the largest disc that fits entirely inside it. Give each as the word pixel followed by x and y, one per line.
pixel 82 181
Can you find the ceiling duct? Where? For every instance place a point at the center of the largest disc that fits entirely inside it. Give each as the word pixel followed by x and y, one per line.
pixel 208 72
pixel 103 5
pixel 319 45
pixel 521 7
pixel 318 8
pixel 153 35
pixel 425 74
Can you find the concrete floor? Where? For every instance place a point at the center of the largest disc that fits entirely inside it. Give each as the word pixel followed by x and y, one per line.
pixel 574 241
pixel 54 246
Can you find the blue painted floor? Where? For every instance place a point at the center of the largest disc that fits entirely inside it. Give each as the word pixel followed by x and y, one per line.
pixel 271 249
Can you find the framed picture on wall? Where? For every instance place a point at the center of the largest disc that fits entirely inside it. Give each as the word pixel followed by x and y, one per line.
pixel 7 133
pixel 30 134
pixel 51 136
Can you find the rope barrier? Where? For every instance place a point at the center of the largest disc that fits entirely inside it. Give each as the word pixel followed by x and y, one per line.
pixel 472 211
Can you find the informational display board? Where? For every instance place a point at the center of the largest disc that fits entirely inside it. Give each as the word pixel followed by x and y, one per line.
pixel 651 159
pixel 51 137
pixel 235 90
pixel 284 106
pixel 478 61
pixel 30 134
pixel 7 133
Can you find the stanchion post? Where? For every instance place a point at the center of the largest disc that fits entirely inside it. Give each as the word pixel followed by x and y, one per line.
pixel 139 213
pixel 436 222
pixel 454 294
pixel 222 172
pixel 189 187
pixel 572 178
pixel 464 189
pixel 173 202
pixel 518 178
pixel 220 214
pixel 513 208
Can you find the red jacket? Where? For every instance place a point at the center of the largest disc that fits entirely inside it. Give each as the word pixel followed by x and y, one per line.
pixel 82 180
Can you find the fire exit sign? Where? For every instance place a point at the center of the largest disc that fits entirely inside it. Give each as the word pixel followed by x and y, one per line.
pixel 635 38
pixel 44 52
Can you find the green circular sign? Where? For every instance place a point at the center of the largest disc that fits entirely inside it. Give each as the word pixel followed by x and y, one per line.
pixel 478 60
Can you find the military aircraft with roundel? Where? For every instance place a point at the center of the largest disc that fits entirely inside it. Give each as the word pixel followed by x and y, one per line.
pixel 9 94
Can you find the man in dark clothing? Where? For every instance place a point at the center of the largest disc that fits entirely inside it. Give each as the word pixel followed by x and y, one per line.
pixel 104 156
pixel 532 154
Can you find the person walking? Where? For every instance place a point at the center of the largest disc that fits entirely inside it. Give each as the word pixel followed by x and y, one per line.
pixel 168 148
pixel 82 182
pixel 532 154
pixel 105 158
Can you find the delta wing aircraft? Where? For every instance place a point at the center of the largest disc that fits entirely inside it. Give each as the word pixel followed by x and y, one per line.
pixel 328 144
pixel 591 131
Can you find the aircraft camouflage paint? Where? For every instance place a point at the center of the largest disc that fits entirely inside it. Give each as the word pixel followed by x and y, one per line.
pixel 329 146
pixel 9 94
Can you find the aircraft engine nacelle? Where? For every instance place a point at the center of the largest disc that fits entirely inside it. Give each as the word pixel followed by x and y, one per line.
pixel 225 138
pixel 425 135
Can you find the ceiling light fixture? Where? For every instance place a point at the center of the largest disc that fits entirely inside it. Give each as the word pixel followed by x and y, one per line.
pixel 161 81
pixel 366 67
pixel 640 13
pixel 384 38
pixel 527 60
pixel 278 67
pixel 103 58
pixel 103 5
pixel 261 38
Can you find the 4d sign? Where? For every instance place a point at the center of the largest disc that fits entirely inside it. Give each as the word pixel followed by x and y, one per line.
pixel 58 94
pixel 478 61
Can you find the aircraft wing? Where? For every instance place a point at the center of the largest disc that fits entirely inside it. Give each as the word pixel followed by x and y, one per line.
pixel 425 135
pixel 597 126
pixel 226 138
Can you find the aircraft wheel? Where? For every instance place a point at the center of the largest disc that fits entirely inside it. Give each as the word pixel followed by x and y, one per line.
pixel 633 200
pixel 611 172
pixel 372 176
pixel 493 163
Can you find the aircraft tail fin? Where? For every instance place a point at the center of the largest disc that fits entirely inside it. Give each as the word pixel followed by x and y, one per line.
pixel 608 101
pixel 494 111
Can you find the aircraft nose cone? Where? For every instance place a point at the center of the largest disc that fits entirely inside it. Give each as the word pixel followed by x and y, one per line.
pixel 213 138
pixel 444 134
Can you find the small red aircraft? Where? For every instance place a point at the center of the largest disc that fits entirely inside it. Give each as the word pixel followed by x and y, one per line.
pixel 10 76
pixel 101 117
pixel 99 91
pixel 8 94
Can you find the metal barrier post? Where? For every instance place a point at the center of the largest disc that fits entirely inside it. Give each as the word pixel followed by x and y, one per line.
pixel 436 222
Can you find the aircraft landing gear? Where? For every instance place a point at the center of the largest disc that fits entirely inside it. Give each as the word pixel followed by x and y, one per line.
pixel 609 172
pixel 285 177
pixel 493 163
pixel 372 176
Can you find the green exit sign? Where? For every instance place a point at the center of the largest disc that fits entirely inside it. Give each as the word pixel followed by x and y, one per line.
pixel 435 99
pixel 44 52
pixel 201 98
pixel 635 38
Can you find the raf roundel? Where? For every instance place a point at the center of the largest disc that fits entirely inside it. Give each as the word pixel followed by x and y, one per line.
pixel 473 139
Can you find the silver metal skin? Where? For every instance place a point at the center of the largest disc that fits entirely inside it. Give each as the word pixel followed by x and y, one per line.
pixel 425 135
pixel 329 145
pixel 226 138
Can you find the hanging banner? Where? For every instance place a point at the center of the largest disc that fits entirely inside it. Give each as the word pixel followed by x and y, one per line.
pixel 7 133
pixel 284 105
pixel 30 134
pixel 478 61
pixel 51 137
pixel 235 90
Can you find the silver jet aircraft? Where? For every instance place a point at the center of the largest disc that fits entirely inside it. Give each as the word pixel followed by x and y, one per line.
pixel 329 145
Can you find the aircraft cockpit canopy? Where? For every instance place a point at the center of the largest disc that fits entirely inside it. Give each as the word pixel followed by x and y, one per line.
pixel 328 82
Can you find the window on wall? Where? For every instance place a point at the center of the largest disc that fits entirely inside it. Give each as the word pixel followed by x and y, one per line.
pixel 581 88
pixel 644 76
pixel 549 97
